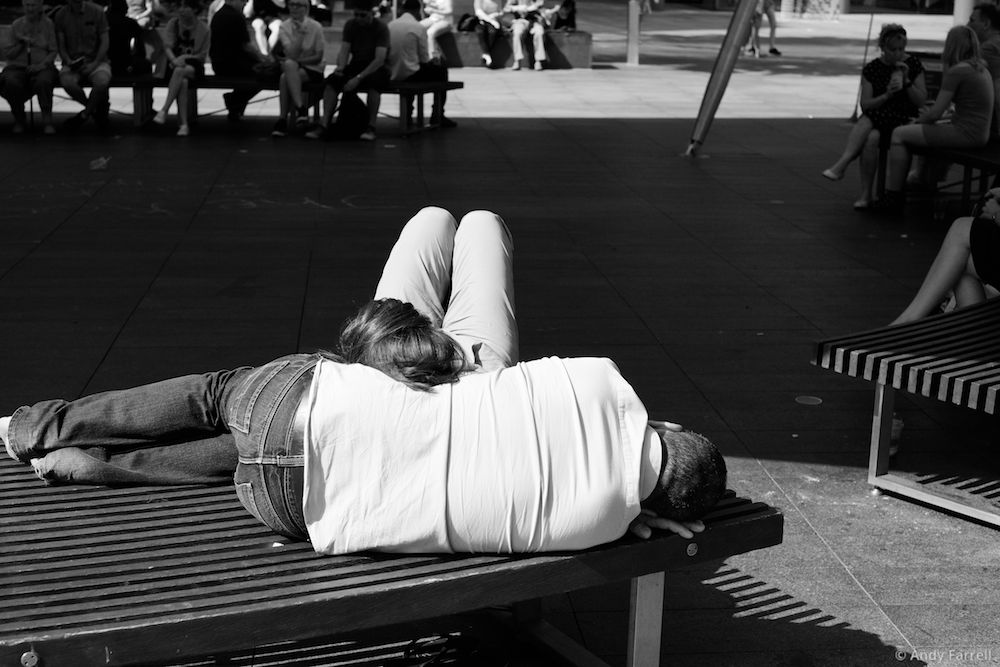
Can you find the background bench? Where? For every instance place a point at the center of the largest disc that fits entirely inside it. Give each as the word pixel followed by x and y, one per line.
pixel 142 86
pixel 985 161
pixel 952 357
pixel 94 576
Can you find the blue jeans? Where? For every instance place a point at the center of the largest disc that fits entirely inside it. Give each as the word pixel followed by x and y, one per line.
pixel 190 429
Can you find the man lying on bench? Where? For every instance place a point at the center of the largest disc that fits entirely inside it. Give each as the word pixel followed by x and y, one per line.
pixel 421 433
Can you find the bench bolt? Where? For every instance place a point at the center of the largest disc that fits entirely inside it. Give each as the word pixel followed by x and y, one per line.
pixel 692 549
pixel 30 659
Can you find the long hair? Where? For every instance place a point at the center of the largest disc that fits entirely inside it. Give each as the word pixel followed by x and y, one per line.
pixel 962 45
pixel 392 336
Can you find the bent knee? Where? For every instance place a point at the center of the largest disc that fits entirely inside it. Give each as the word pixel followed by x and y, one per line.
pixel 433 220
pixel 485 222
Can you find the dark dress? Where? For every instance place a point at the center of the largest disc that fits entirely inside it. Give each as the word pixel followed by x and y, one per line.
pixel 899 109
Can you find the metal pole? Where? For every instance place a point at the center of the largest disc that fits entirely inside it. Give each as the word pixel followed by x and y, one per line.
pixel 864 61
pixel 739 26
pixel 632 45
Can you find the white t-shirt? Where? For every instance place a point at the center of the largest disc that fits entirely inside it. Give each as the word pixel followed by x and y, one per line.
pixel 541 456
pixel 407 46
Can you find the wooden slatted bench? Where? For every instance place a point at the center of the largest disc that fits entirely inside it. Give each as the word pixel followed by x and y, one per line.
pixel 407 91
pixel 952 357
pixel 985 161
pixel 94 576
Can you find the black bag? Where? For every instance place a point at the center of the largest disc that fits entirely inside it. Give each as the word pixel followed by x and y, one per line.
pixel 467 23
pixel 352 118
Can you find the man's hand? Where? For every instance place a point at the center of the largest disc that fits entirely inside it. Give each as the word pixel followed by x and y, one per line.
pixel 352 84
pixel 643 525
pixel 661 426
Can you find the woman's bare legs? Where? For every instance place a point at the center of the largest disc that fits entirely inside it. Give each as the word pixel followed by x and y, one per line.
pixel 855 146
pixel 867 168
pixel 952 269
pixel 903 137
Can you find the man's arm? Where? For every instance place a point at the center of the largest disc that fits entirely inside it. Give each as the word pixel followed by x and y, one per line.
pixel 380 53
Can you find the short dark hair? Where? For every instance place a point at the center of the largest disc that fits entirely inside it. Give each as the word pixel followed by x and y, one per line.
pixel 392 336
pixel 990 13
pixel 358 5
pixel 412 6
pixel 890 31
pixel 692 477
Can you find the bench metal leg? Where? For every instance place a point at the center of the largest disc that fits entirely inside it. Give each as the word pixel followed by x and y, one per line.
pixel 878 459
pixel 142 104
pixel 878 466
pixel 645 620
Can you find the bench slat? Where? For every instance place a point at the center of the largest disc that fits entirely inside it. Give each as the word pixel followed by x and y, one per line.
pixel 952 357
pixel 129 587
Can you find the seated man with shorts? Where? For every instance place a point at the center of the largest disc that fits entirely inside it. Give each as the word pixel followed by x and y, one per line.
pixel 361 67
pixel 302 49
pixel 82 33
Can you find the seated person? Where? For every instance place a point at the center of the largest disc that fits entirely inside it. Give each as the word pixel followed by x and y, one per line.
pixel 408 57
pixel 561 18
pixel 488 27
pixel 232 54
pixel 893 88
pixel 143 13
pixel 361 67
pixel 968 85
pixel 265 20
pixel 968 260
pixel 527 21
pixel 490 465
pixel 126 50
pixel 438 21
pixel 30 52
pixel 302 47
pixel 186 45
pixel 82 34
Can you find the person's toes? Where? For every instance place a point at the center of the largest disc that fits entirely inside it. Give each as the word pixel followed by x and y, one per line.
pixel 832 175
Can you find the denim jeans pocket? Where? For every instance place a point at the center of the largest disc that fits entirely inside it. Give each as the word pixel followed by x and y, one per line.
pixel 242 407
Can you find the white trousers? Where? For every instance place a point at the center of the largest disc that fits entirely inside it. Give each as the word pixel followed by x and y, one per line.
pixel 435 26
pixel 461 277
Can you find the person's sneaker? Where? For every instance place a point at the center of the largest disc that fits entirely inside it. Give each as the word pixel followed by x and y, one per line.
pixel 752 51
pixel 280 128
pixel 49 129
pixel 538 65
pixel 487 60
pixel 17 129
pixel 443 121
pixel 316 133
pixel 516 66
pixel 774 52
pixel 183 131
pixel 368 135
pixel 160 118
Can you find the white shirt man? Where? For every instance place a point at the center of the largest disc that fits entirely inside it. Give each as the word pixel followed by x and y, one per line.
pixel 545 455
